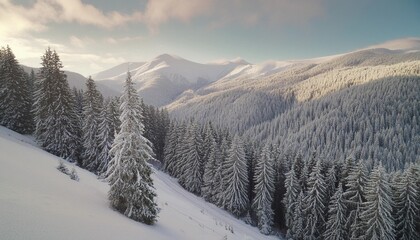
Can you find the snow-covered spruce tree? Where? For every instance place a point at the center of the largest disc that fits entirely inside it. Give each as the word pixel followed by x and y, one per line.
pixel 354 196
pixel 236 192
pixel 308 167
pixel 129 173
pixel 316 203
pixel 192 173
pixel 208 137
pixel 221 175
pixel 180 152
pixel 332 179
pixel 251 158
pixel 218 186
pixel 2 51
pixel 15 97
pixel 78 96
pixel 299 166
pixel 106 135
pixel 54 109
pixel 92 100
pixel 210 168
pixel 336 224
pixel 162 131
pixel 115 103
pixel 264 190
pixel 348 167
pixel 407 206
pixel 292 191
pixel 297 228
pixel 377 210
pixel 170 149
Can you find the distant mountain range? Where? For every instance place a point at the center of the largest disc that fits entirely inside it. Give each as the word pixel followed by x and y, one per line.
pixel 169 80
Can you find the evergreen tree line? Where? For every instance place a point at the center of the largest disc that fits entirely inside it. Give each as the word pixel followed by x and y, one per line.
pixel 357 121
pixel 104 136
pixel 342 200
pixel 78 125
pixel 305 197
pixel 225 170
pixel 16 99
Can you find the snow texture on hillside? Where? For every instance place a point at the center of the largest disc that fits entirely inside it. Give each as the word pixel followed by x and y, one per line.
pixel 39 202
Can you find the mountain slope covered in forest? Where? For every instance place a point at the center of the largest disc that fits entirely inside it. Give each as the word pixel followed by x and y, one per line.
pixel 39 202
pixel 364 105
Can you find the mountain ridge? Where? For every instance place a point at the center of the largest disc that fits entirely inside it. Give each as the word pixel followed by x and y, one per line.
pixel 168 78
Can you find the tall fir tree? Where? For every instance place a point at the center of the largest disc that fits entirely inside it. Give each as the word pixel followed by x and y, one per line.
pixel 92 106
pixel 336 224
pixel 78 96
pixel 162 129
pixel 106 135
pixel 54 108
pixel 264 190
pixel 297 229
pixel 115 103
pixel 129 173
pixel 171 149
pixel 292 191
pixel 217 184
pixel 354 195
pixel 210 171
pixel 299 166
pixel 221 176
pixel 316 203
pixel 407 205
pixel 15 96
pixel 377 210
pixel 208 137
pixel 180 151
pixel 348 166
pixel 251 158
pixel 193 168
pixel 236 192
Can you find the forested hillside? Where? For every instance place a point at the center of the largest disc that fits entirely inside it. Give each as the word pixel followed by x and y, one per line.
pixel 362 104
pixel 244 102
pixel 377 121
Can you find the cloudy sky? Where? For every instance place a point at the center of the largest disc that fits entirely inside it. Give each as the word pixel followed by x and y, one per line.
pixel 92 35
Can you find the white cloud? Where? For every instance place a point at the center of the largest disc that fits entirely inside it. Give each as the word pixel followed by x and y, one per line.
pixel 243 12
pixel 161 11
pixel 80 42
pixel 112 40
pixel 16 19
pixel 28 51
pixel 399 44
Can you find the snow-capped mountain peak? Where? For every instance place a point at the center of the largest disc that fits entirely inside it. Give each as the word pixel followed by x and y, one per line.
pixel 165 77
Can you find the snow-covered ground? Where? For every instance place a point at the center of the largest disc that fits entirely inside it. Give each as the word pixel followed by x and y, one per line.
pixel 39 202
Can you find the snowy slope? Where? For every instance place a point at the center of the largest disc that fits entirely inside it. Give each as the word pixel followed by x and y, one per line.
pixel 118 70
pixel 39 202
